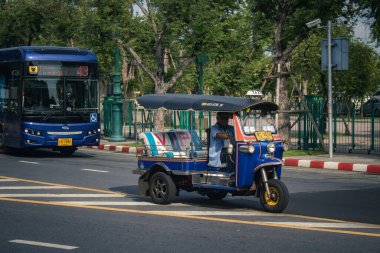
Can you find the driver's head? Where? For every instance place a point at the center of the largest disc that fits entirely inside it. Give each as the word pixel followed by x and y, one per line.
pixel 222 118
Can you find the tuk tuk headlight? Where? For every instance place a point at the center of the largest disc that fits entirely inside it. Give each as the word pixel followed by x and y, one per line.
pixel 285 146
pixel 247 148
pixel 271 147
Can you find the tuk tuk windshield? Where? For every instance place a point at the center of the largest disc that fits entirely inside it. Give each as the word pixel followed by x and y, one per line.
pixel 256 122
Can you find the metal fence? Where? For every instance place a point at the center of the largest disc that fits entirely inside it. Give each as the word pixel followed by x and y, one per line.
pixel 353 131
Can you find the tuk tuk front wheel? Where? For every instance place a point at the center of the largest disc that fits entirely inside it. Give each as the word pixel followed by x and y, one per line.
pixel 162 188
pixel 278 199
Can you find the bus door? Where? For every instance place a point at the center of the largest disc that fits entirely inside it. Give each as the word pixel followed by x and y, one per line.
pixel 12 122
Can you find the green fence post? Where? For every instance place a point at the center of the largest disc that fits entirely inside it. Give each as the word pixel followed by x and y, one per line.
pixel 305 134
pixel 335 119
pixel 300 117
pixel 372 126
pixel 150 121
pixel 200 118
pixel 130 116
pixel 107 112
pixel 175 119
pixel 353 129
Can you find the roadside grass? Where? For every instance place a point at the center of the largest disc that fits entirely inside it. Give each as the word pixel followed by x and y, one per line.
pixel 297 152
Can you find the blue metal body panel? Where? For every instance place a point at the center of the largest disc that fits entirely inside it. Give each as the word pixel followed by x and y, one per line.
pixel 174 164
pixel 216 187
pixel 14 127
pixel 245 165
pixel 47 53
pixel 51 132
pixel 246 162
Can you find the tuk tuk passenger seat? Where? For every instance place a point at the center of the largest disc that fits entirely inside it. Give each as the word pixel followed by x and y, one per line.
pixel 173 144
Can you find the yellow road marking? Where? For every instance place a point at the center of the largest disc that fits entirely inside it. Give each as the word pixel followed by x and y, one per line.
pixel 179 215
pixel 63 185
pixel 264 224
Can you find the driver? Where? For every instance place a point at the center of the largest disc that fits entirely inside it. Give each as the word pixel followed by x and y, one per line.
pixel 221 136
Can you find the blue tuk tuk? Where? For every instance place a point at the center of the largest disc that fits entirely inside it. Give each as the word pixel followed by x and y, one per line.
pixel 175 160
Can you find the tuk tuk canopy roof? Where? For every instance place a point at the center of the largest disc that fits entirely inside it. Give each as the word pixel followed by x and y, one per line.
pixel 187 102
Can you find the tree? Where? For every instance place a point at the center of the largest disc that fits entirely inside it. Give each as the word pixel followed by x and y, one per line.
pixel 177 27
pixel 372 12
pixel 286 19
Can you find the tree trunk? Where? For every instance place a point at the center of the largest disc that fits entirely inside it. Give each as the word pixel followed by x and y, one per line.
pixel 283 118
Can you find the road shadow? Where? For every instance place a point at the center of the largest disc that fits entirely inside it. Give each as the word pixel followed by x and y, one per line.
pixel 195 199
pixel 44 153
pixel 350 205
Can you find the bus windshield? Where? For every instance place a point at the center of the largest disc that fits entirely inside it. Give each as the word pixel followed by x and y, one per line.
pixel 50 95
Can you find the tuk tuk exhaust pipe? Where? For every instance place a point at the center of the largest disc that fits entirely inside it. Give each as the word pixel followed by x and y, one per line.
pixel 265 181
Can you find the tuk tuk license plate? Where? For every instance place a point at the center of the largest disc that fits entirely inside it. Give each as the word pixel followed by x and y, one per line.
pixel 263 136
pixel 65 142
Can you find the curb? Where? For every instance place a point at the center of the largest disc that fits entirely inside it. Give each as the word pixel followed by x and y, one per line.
pixel 367 168
pixel 123 149
pixel 316 164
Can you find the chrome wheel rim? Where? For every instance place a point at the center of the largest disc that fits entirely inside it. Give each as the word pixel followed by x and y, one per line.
pixel 159 188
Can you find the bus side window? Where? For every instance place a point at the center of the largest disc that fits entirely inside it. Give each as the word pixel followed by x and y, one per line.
pixel 14 96
pixel 3 94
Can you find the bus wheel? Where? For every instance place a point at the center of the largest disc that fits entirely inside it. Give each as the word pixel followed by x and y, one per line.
pixel 4 149
pixel 1 140
pixel 217 194
pixel 278 199
pixel 162 188
pixel 67 151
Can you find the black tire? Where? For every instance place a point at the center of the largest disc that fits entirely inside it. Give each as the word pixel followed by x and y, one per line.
pixel 67 151
pixel 2 146
pixel 280 196
pixel 216 194
pixel 3 149
pixel 162 188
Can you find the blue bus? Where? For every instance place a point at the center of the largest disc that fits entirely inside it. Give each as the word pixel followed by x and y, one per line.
pixel 49 98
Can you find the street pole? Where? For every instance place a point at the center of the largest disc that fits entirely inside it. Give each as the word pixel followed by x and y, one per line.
pixel 329 103
pixel 117 103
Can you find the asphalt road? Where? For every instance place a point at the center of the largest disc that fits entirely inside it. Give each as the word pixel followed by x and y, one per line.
pixel 88 203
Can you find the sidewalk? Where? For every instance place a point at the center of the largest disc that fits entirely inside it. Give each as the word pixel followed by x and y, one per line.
pixel 347 162
pixel 341 161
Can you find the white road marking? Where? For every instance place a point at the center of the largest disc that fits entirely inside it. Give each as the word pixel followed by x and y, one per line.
pixel 323 224
pixel 44 244
pixel 29 162
pixel 114 203
pixel 102 171
pixel 31 187
pixel 21 195
pixel 8 180
pixel 219 213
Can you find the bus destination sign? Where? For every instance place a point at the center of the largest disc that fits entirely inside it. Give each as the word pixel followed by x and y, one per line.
pixel 75 70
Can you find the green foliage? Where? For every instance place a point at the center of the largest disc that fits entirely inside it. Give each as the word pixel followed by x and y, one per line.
pixel 372 12
pixel 237 35
pixel 361 79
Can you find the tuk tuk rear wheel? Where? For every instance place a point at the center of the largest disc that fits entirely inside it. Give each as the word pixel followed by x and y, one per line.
pixel 217 194
pixel 162 188
pixel 278 199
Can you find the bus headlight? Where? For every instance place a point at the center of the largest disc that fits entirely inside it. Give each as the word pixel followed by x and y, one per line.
pixel 271 147
pixel 251 149
pixel 32 132
pixel 285 146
